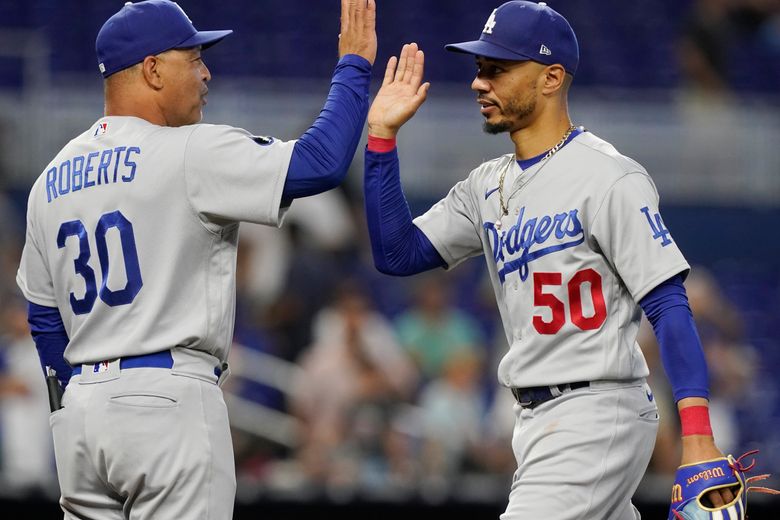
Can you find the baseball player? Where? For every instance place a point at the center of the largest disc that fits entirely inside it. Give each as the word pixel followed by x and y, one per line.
pixel 575 248
pixel 130 256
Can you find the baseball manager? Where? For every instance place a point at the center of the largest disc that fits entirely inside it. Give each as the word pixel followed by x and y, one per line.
pixel 130 258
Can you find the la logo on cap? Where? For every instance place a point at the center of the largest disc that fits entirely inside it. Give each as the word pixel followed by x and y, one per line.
pixel 490 23
pixel 523 30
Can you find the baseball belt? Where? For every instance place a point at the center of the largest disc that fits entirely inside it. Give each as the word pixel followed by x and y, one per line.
pixel 532 397
pixel 162 359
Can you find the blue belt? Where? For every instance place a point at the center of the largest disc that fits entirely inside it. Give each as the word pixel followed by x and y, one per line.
pixel 162 359
pixel 534 396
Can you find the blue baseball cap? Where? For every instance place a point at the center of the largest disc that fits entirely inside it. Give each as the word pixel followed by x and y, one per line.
pixel 522 31
pixel 145 29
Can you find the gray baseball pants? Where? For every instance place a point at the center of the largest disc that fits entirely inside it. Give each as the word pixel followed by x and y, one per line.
pixel 581 456
pixel 145 443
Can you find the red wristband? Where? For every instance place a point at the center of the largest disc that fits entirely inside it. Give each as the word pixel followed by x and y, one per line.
pixel 695 420
pixel 380 144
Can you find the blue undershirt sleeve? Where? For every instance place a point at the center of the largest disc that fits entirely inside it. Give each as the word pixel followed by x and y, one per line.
pixel 50 338
pixel 398 246
pixel 322 155
pixel 682 355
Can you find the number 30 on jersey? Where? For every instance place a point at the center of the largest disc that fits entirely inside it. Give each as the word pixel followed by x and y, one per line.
pixel 75 228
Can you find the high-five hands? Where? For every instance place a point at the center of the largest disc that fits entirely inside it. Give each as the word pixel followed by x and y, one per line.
pixel 358 29
pixel 401 94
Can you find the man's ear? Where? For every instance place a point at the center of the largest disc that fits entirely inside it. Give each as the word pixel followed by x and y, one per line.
pixel 554 79
pixel 150 68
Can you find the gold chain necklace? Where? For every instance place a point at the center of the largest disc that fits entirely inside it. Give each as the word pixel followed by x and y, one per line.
pixel 550 153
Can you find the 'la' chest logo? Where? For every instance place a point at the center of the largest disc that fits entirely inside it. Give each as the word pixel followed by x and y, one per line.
pixel 525 234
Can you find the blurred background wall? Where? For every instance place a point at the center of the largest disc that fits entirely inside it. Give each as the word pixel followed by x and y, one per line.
pixel 355 388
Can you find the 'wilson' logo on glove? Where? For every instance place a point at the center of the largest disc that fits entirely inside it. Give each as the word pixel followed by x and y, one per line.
pixel 707 474
pixel 694 481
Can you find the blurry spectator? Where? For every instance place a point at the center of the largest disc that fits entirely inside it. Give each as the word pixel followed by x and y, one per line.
pixel 451 431
pixel 453 411
pixel 717 37
pixel 27 449
pixel 496 454
pixel 433 331
pixel 731 361
pixel 759 19
pixel 322 221
pixel 708 150
pixel 290 273
pixel 354 375
pixel 249 331
pixel 256 391
pixel 704 47
pixel 309 282
pixel 716 317
pixel 11 240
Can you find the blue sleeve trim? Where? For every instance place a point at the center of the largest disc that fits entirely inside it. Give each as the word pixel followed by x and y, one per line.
pixel 50 338
pixel 682 355
pixel 398 246
pixel 322 155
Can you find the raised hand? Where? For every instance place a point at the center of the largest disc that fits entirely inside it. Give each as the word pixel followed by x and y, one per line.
pixel 358 29
pixel 401 94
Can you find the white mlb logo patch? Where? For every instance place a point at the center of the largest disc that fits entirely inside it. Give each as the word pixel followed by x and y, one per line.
pixel 101 129
pixel 101 367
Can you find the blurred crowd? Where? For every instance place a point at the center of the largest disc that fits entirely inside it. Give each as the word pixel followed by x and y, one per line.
pixel 349 383
pixel 390 382
pixel 720 37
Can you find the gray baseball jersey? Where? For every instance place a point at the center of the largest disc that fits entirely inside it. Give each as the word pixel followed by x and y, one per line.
pixel 132 232
pixel 583 242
